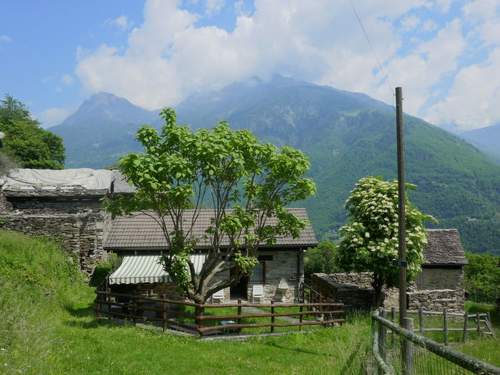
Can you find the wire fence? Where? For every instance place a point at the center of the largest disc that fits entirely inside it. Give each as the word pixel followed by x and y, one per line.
pixel 398 350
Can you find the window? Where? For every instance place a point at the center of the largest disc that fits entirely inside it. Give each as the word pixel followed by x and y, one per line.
pixel 259 273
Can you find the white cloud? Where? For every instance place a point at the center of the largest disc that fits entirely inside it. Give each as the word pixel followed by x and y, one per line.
pixel 410 22
pixel 169 56
pixel 53 116
pixel 5 39
pixel 120 22
pixel 214 7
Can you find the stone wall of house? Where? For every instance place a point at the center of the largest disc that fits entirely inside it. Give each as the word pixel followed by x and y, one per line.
pixel 4 203
pixel 81 234
pixel 281 279
pixel 355 291
pixel 440 278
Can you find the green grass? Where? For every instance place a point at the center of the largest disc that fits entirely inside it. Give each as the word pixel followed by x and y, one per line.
pixel 48 327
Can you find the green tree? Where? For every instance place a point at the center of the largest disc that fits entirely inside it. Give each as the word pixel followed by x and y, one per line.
pixel 369 241
pixel 25 142
pixel 482 277
pixel 244 181
pixel 321 258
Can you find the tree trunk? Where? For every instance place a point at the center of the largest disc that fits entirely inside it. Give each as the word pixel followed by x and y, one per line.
pixel 378 287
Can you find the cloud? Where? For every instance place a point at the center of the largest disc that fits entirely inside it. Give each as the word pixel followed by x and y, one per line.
pixel 120 22
pixel 5 39
pixel 53 116
pixel 410 22
pixel 214 6
pixel 169 56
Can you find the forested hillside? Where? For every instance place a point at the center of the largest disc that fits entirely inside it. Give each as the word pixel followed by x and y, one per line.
pixel 26 144
pixel 346 135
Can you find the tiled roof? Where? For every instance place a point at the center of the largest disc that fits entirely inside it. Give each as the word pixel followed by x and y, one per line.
pixel 141 232
pixel 444 248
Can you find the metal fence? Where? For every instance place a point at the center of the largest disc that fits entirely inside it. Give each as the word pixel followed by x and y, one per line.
pixel 399 350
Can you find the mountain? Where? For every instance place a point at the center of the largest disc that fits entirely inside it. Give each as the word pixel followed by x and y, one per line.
pixel 101 130
pixel 486 139
pixel 347 136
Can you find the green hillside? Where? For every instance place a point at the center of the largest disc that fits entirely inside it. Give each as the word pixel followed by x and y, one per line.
pixel 48 327
pixel 347 136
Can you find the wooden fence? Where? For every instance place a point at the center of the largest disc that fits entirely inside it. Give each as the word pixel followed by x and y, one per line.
pixel 478 322
pixel 199 318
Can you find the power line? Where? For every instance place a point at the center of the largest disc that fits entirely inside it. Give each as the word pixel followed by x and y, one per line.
pixel 367 37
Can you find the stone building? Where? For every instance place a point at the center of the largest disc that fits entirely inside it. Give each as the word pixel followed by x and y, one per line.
pixel 66 205
pixel 62 204
pixel 138 239
pixel 439 285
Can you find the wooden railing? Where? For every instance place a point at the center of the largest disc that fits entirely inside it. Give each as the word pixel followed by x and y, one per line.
pixel 200 318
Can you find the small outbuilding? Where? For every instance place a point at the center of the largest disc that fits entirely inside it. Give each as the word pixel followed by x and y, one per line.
pixel 439 285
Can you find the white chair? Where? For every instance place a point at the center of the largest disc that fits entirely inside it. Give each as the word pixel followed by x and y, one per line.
pixel 257 292
pixel 218 296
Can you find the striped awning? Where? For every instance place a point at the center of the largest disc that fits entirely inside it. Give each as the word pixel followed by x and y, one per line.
pixel 140 269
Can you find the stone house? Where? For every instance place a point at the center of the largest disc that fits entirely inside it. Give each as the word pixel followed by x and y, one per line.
pixel 139 241
pixel 62 204
pixel 439 285
pixel 66 205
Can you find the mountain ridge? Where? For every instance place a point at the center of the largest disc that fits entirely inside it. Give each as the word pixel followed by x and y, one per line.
pixel 346 136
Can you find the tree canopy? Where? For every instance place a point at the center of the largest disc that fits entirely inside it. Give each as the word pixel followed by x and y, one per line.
pixel 369 241
pixel 482 277
pixel 25 142
pixel 321 259
pixel 244 181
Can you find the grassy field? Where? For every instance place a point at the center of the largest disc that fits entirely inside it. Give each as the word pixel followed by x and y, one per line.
pixel 47 326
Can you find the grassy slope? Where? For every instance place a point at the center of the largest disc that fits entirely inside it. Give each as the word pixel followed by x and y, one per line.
pixel 48 327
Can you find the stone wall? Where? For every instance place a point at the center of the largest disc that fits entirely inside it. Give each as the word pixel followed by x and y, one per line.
pixel 4 203
pixel 440 278
pixel 281 278
pixel 355 291
pixel 81 234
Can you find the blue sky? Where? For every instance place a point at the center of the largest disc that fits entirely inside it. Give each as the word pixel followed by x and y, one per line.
pixel 445 54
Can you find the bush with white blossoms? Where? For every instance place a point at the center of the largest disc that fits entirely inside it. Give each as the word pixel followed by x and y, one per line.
pixel 369 241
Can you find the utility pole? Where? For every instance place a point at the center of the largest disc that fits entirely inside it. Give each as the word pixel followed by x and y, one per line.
pixel 401 206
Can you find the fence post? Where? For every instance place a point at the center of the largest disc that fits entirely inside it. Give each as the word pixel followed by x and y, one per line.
pixel 134 306
pixel 478 324
pixel 445 326
pixel 272 316
pixel 466 318
pixel 164 312
pixel 421 321
pixel 393 319
pixel 199 322
pixel 407 349
pixel 239 311
pixel 301 317
pixel 381 335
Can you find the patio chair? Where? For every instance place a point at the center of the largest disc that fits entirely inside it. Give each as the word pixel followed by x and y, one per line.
pixel 257 292
pixel 218 296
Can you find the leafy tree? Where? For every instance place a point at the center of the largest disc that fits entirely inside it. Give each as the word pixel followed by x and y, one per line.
pixel 25 142
pixel 369 241
pixel 321 258
pixel 244 181
pixel 482 277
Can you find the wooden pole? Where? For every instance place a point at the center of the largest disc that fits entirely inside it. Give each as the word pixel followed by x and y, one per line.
pixel 393 318
pixel 381 335
pixel 445 326
pixel 478 324
pixel 301 317
pixel 239 311
pixel 421 321
pixel 466 318
pixel 272 316
pixel 401 205
pixel 407 349
pixel 164 313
